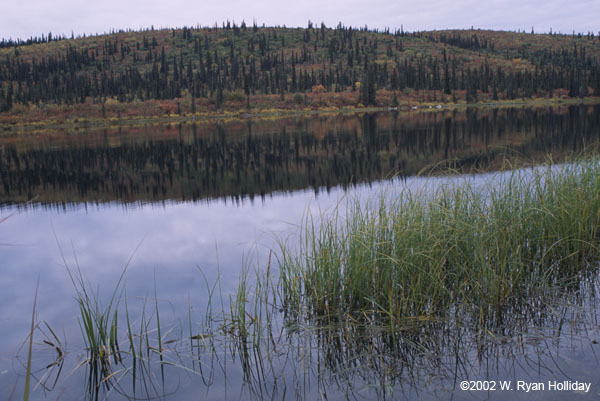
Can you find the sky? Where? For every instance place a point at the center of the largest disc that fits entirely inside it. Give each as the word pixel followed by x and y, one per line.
pixel 27 18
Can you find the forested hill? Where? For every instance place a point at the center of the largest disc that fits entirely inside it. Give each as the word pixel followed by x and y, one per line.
pixel 187 70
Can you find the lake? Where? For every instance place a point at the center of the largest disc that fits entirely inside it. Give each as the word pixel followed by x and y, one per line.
pixel 192 210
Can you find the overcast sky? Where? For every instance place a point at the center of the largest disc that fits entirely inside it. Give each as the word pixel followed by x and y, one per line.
pixel 23 19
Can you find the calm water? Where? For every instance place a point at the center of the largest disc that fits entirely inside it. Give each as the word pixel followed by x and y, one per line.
pixel 194 204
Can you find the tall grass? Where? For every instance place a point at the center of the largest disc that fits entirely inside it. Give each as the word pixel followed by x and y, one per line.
pixel 121 346
pixel 99 326
pixel 28 369
pixel 421 254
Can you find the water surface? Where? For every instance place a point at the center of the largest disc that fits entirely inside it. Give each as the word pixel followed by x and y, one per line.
pixel 195 203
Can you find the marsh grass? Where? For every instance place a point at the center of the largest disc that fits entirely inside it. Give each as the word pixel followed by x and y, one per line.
pixel 29 350
pixel 418 255
pixel 115 349
pixel 128 353
pixel 99 327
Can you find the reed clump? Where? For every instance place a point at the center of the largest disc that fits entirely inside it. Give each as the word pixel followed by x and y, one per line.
pixel 420 255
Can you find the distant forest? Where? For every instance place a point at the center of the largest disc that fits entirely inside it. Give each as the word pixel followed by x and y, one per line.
pixel 239 63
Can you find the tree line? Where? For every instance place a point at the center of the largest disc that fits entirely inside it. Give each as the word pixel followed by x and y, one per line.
pixel 208 62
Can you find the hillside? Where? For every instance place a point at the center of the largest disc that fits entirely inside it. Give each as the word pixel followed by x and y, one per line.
pixel 231 68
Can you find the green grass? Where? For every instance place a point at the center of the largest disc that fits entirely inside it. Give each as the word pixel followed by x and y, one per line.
pixel 120 346
pixel 28 369
pixel 423 254
pixel 99 327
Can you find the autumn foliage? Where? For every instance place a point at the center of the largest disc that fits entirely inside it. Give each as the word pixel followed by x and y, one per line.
pixel 238 68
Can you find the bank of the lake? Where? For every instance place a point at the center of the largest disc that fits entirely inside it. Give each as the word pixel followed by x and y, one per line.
pixel 83 117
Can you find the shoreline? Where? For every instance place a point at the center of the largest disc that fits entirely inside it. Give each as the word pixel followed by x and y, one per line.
pixel 272 113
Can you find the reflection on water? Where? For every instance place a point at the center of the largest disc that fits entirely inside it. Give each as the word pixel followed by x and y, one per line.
pixel 139 178
pixel 254 158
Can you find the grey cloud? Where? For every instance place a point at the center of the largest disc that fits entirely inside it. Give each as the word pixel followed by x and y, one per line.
pixel 63 16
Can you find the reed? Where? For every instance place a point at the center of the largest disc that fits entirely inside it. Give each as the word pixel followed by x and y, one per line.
pixel 420 254
pixel 29 350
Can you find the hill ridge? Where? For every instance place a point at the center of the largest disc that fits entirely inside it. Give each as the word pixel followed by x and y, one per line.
pixel 189 70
